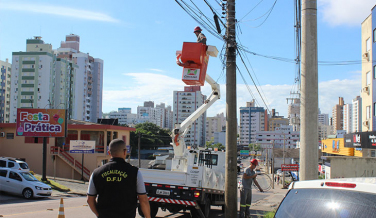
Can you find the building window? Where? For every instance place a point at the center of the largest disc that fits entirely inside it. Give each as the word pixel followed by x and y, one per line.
pixel 10 135
pixel 368 44
pixel 374 109
pixel 368 112
pixel 368 78
pixel 374 72
pixel 374 35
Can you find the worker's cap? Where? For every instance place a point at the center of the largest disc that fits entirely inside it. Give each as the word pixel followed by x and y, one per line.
pixel 197 29
pixel 254 162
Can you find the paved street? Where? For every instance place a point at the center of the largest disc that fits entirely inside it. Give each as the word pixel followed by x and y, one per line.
pixel 75 205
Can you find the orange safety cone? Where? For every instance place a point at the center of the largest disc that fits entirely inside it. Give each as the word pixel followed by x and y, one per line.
pixel 61 209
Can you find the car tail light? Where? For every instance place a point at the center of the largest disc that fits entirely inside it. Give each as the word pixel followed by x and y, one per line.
pixel 196 194
pixel 342 185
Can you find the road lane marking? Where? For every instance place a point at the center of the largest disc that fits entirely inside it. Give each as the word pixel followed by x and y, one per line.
pixel 16 214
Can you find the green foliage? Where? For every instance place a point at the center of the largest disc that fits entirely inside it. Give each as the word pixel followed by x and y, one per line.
pixel 269 214
pixel 152 136
pixel 322 177
pixel 210 144
pixel 256 146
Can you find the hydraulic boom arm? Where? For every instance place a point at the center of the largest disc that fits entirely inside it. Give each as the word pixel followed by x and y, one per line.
pixel 181 129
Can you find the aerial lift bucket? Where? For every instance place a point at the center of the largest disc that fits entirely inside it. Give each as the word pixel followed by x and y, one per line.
pixel 194 60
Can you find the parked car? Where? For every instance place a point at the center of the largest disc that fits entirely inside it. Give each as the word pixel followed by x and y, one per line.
pixel 279 172
pixel 13 163
pixel 337 198
pixel 22 183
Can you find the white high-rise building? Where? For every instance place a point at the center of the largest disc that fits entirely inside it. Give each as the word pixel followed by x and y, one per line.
pixel 293 111
pixel 169 118
pixel 88 91
pixel 347 118
pixel 41 80
pixel 252 119
pixel 124 116
pixel 185 103
pixel 5 85
pixel 281 136
pixel 357 114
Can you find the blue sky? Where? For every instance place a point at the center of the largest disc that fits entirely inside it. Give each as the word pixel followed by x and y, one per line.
pixel 138 39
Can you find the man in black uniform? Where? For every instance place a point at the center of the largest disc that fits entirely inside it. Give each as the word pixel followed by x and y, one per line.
pixel 117 185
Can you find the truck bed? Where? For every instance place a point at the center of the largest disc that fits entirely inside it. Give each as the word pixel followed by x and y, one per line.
pixel 164 177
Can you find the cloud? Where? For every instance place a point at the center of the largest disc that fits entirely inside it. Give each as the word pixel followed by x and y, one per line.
pixel 159 88
pixel 345 12
pixel 57 10
pixel 157 70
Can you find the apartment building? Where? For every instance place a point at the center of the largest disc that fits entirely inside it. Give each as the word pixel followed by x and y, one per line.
pixel 337 115
pixel 323 118
pixel 281 136
pixel 368 72
pixel 88 97
pixel 124 116
pixel 5 85
pixel 185 103
pixel 276 121
pixel 293 112
pixel 214 125
pixel 40 80
pixel 357 114
pixel 252 119
pixel 347 118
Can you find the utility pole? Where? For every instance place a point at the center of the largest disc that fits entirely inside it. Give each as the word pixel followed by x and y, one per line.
pixel 309 93
pixel 283 173
pixel 139 150
pixel 273 164
pixel 231 192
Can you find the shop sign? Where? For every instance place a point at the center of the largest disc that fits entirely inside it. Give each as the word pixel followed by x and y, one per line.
pixel 41 122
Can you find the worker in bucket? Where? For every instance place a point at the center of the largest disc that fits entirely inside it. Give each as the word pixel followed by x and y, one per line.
pixel 201 38
pixel 249 176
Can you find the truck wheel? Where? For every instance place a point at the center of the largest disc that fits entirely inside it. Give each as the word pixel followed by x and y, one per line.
pixel 205 208
pixel 153 209
pixel 194 213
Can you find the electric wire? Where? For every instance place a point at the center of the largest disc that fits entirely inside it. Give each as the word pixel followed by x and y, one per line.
pixel 262 98
pixel 250 11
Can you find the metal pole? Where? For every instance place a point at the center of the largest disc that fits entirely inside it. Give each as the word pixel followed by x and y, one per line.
pixel 82 168
pixel 283 173
pixel 139 150
pixel 267 160
pixel 231 192
pixel 273 164
pixel 309 93
pixel 44 177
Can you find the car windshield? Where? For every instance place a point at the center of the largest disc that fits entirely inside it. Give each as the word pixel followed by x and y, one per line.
pixel 29 177
pixel 24 165
pixel 312 203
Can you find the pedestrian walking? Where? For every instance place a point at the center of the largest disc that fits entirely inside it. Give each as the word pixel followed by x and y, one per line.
pixel 278 179
pixel 200 36
pixel 249 176
pixel 117 185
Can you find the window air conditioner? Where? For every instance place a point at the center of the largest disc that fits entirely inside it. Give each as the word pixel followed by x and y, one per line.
pixel 366 89
pixel 366 123
pixel 366 56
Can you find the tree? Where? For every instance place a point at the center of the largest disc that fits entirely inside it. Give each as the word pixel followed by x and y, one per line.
pixel 256 147
pixel 210 144
pixel 152 136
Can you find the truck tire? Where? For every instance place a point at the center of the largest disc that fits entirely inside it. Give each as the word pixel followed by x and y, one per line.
pixel 205 208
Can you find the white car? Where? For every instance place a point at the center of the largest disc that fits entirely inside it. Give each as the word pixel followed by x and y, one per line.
pixel 13 163
pixel 22 183
pixel 338 198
